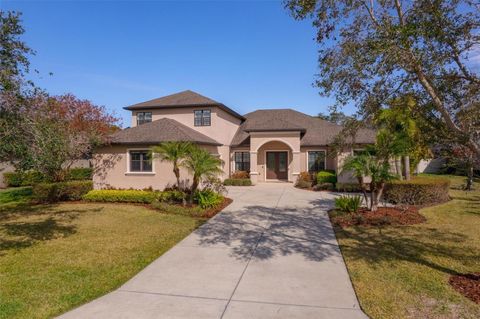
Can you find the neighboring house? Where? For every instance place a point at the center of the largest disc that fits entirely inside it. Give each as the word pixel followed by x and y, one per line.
pixel 273 145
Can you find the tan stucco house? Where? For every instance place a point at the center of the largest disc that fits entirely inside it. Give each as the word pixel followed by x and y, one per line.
pixel 273 145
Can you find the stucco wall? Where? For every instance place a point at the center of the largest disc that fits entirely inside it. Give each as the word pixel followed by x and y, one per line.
pixel 223 125
pixel 111 170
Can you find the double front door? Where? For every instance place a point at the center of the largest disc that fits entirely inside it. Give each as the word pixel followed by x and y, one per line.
pixel 277 165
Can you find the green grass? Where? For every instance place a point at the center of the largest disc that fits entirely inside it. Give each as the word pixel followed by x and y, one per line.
pixel 403 272
pixel 56 257
pixel 14 196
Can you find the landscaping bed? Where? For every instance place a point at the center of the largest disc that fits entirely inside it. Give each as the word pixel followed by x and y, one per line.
pixel 468 285
pixel 407 271
pixel 383 216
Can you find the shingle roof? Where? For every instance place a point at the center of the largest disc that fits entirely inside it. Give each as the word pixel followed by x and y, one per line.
pixel 182 99
pixel 316 132
pixel 162 130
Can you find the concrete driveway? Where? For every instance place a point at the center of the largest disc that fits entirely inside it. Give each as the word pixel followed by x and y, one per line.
pixel 271 254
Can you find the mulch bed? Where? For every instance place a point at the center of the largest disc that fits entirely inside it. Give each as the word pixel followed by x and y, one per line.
pixel 383 216
pixel 468 285
pixel 214 211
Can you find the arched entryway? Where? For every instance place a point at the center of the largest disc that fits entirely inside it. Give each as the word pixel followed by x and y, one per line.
pixel 274 161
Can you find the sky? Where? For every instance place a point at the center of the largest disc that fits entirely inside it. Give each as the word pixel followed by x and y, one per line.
pixel 248 55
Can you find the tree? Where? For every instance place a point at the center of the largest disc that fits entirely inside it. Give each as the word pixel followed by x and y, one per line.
pixel 174 152
pixel 335 117
pixel 202 165
pixel 358 166
pixel 60 130
pixel 14 89
pixel 373 50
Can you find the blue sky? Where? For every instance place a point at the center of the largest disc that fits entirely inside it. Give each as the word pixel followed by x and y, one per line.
pixel 248 55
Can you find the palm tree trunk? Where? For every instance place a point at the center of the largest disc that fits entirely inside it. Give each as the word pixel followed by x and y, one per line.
pixel 398 166
pixel 406 167
pixel 364 190
pixel 193 189
pixel 176 171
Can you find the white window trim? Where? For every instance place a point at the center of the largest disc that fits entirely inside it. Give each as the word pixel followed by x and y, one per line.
pixel 128 172
pixel 324 151
pixel 265 168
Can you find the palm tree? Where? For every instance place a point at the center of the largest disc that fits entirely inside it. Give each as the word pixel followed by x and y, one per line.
pixel 358 166
pixel 202 165
pixel 380 174
pixel 175 152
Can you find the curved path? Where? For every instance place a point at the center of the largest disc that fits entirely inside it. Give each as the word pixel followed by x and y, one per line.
pixel 271 254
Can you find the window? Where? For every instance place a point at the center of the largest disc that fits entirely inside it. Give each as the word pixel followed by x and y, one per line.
pixel 144 117
pixel 140 161
pixel 242 161
pixel 202 118
pixel 316 161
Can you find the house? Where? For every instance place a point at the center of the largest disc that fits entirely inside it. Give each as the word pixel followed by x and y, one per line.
pixel 273 145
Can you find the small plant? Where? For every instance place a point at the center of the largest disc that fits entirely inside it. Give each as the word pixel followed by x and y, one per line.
pixel 304 180
pixel 240 175
pixel 208 199
pixel 348 204
pixel 117 196
pixel 237 182
pixel 326 177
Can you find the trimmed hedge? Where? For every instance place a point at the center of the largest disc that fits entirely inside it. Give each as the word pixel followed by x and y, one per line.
pixel 326 177
pixel 125 196
pixel 64 191
pixel 417 191
pixel 29 178
pixel 237 182
pixel 240 175
pixel 79 174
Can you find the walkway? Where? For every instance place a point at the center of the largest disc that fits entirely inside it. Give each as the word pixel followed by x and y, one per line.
pixel 271 254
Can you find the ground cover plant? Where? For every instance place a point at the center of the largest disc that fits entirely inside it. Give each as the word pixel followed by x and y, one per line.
pixel 404 271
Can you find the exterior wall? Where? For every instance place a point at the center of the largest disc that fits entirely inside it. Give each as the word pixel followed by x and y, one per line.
pixel 111 170
pixel 223 125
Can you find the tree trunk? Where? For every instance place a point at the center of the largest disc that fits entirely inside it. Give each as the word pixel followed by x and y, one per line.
pixel 193 189
pixel 364 190
pixel 176 171
pixel 469 176
pixel 373 204
pixel 398 167
pixel 406 167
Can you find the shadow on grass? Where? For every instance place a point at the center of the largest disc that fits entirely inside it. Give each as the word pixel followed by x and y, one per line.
pixel 24 225
pixel 417 245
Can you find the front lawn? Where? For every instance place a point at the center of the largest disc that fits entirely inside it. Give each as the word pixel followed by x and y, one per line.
pixel 56 257
pixel 403 271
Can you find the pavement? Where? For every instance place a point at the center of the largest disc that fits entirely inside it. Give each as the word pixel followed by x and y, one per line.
pixel 271 254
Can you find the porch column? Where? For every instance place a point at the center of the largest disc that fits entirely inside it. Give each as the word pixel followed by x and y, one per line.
pixel 253 168
pixel 295 166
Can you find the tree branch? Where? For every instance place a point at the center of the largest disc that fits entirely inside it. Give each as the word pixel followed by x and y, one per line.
pixel 401 18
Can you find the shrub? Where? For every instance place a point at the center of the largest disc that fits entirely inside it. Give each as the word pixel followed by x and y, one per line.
pixel 240 175
pixel 207 199
pixel 167 208
pixel 78 174
pixel 237 182
pixel 323 187
pixel 349 187
pixel 417 191
pixel 348 204
pixel 172 196
pixel 303 184
pixel 214 184
pixel 27 178
pixel 125 196
pixel 64 191
pixel 326 177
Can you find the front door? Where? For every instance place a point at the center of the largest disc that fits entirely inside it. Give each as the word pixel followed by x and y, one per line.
pixel 277 165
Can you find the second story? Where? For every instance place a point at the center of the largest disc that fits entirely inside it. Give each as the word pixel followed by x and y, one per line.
pixel 193 110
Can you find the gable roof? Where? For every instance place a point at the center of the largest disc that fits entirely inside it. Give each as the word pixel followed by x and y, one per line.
pixel 182 99
pixel 162 130
pixel 316 132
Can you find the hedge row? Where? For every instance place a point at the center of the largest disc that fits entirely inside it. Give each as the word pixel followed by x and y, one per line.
pixel 237 182
pixel 417 191
pixel 29 178
pixel 126 196
pixel 64 191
